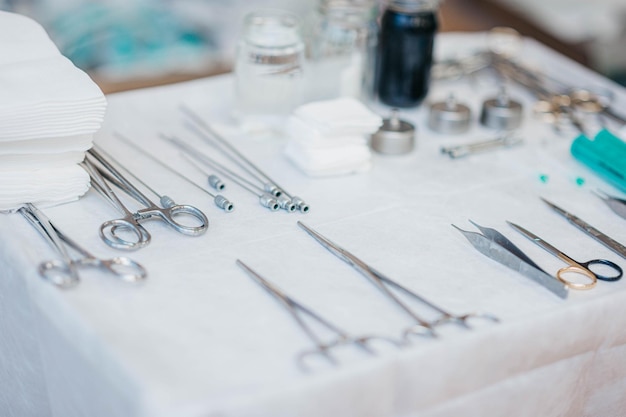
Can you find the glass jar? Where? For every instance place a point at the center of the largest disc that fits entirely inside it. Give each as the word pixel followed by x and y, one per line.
pixel 405 52
pixel 269 69
pixel 342 45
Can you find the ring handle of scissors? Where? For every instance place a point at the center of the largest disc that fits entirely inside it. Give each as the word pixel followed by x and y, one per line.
pixel 580 270
pixel 59 273
pixel 107 234
pixel 618 270
pixel 169 214
pixel 124 268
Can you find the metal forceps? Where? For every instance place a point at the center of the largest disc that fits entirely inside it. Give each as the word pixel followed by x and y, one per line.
pixel 130 221
pixel 422 327
pixel 573 267
pixel 64 272
pixel 297 311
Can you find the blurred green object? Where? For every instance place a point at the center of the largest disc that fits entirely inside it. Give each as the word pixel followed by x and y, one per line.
pixel 605 155
pixel 139 37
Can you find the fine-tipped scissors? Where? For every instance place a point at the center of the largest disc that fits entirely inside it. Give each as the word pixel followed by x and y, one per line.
pixel 297 311
pixel 64 272
pixel 130 221
pixel 573 267
pixel 422 327
pixel 607 241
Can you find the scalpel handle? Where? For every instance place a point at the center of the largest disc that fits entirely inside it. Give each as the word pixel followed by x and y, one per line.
pixel 610 243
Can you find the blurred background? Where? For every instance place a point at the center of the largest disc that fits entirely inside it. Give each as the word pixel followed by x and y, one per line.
pixel 132 44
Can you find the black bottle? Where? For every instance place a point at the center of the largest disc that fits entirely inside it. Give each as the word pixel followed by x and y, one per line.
pixel 405 52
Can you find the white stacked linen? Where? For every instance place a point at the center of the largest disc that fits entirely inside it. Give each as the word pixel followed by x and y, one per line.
pixel 49 112
pixel 331 137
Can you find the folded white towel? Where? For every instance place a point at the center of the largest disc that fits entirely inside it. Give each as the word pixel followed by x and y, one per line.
pixel 47 186
pixel 49 112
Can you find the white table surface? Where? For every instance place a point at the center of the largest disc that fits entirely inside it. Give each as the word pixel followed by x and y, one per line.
pixel 199 338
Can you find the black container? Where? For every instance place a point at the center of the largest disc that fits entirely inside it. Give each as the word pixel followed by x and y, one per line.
pixel 405 52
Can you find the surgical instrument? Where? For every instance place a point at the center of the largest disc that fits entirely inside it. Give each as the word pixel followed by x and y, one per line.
pixel 610 243
pixel 265 199
pixel 506 140
pixel 220 201
pixel 271 186
pixel 422 327
pixel 298 311
pixel 64 272
pixel 618 205
pixel 573 267
pixel 130 221
pixel 496 246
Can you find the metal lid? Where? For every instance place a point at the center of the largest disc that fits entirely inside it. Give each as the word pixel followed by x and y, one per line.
pixel 449 116
pixel 501 113
pixel 394 137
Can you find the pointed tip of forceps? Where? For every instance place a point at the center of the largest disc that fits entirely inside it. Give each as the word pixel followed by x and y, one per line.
pixel 553 206
pixel 601 194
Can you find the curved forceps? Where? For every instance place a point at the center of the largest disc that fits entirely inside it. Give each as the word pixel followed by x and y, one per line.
pixel 573 267
pixel 64 272
pixel 422 327
pixel 297 310
pixel 131 220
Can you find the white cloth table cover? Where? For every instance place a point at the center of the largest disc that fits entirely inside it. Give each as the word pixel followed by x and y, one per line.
pixel 200 338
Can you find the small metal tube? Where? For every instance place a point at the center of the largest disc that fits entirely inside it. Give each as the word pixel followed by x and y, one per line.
pixel 300 204
pixel 216 182
pixel 272 189
pixel 268 200
pixel 285 203
pixel 223 203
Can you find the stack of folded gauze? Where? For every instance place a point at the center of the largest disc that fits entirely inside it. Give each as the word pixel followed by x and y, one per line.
pixel 49 112
pixel 331 137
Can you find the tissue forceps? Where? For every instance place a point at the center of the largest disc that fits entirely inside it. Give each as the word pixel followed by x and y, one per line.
pixel 298 310
pixel 422 327
pixel 64 272
pixel 130 221
pixel 574 267
pixel 618 205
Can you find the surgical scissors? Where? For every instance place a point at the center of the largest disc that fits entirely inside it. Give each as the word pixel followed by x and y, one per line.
pixel 64 272
pixel 297 310
pixel 573 267
pixel 422 327
pixel 130 221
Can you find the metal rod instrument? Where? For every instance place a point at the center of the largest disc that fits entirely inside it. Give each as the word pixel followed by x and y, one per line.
pixel 422 327
pixel 298 311
pixel 265 199
pixel 459 151
pixel 64 272
pixel 220 201
pixel 226 147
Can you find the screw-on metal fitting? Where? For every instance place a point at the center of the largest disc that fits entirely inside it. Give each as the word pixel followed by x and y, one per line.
pixel 300 204
pixel 167 201
pixel 272 189
pixel 285 203
pixel 268 200
pixel 223 203
pixel 216 182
